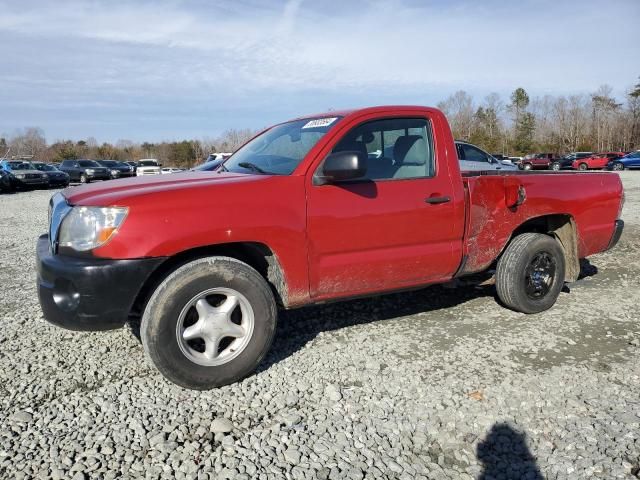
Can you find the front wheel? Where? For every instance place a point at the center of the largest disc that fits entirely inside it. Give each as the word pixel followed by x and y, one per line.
pixel 527 166
pixel 555 166
pixel 583 166
pixel 618 166
pixel 84 178
pixel 209 323
pixel 530 273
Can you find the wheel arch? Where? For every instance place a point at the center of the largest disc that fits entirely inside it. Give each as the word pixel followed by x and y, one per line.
pixel 562 227
pixel 257 255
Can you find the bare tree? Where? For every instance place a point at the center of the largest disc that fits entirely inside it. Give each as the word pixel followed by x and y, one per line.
pixel 28 142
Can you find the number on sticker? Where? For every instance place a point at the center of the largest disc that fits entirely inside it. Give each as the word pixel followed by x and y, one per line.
pixel 320 122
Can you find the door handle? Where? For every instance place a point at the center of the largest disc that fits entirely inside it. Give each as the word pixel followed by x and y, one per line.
pixel 437 200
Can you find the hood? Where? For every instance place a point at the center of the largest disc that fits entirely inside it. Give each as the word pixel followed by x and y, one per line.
pixel 25 172
pixel 126 190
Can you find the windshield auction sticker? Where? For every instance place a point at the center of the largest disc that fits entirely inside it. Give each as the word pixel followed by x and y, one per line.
pixel 320 122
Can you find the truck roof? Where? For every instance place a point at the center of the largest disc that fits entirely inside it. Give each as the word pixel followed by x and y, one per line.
pixel 376 109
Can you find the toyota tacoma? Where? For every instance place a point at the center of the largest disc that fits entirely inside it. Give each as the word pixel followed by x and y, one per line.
pixel 306 212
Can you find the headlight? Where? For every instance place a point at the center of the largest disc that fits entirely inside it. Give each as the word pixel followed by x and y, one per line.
pixel 86 228
pixel 19 175
pixel 115 173
pixel 90 171
pixel 43 175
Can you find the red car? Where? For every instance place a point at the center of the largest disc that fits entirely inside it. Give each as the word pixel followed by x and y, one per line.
pixel 597 161
pixel 318 209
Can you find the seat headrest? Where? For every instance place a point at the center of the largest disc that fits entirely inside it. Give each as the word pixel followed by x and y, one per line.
pixel 410 150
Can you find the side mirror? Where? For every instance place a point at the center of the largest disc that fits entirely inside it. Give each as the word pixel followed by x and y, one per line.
pixel 342 166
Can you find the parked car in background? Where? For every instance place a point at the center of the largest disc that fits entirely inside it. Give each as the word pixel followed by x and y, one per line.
pixel 132 164
pixel 218 156
pixel 148 166
pixel 566 162
pixel 502 158
pixel 25 175
pixel 6 182
pixel 57 178
pixel 209 166
pixel 170 170
pixel 85 171
pixel 474 158
pixel 629 161
pixel 597 161
pixel 118 169
pixel 537 161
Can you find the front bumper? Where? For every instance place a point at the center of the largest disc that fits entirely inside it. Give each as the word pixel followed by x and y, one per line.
pixel 617 233
pixel 99 176
pixel 58 181
pixel 89 293
pixel 32 182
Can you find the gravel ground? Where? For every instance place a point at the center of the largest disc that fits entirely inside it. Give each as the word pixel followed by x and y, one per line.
pixel 438 383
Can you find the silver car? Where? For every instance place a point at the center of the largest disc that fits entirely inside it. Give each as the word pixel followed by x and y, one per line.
pixel 472 158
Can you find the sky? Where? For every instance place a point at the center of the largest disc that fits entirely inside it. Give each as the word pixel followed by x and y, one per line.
pixel 170 70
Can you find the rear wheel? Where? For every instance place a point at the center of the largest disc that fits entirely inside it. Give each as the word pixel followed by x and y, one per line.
pixel 530 273
pixel 209 323
pixel 555 166
pixel 583 166
pixel 527 166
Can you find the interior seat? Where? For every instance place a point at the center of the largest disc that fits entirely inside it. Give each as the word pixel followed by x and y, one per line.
pixel 410 156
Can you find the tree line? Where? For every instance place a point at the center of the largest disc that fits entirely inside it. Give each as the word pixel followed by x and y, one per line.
pixel 555 124
pixel 551 124
pixel 31 142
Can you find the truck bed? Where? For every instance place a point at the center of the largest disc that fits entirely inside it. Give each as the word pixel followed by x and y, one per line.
pixel 588 199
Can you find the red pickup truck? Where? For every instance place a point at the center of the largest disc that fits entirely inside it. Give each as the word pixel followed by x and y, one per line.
pixel 321 208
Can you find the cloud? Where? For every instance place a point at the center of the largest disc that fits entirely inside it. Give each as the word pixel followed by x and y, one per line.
pixel 128 60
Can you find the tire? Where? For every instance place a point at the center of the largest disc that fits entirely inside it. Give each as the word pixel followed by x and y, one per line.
pixel 555 166
pixel 583 166
pixel 171 311
pixel 618 166
pixel 84 178
pixel 514 284
pixel 527 166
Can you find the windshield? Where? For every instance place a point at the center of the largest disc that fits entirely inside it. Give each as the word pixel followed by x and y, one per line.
pixel 632 155
pixel 43 167
pixel 109 163
pixel 147 163
pixel 88 163
pixel 279 150
pixel 20 166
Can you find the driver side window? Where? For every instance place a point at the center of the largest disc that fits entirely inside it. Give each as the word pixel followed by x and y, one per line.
pixel 398 148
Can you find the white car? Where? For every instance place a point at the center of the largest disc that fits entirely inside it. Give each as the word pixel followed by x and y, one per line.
pixel 171 170
pixel 148 166
pixel 472 158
